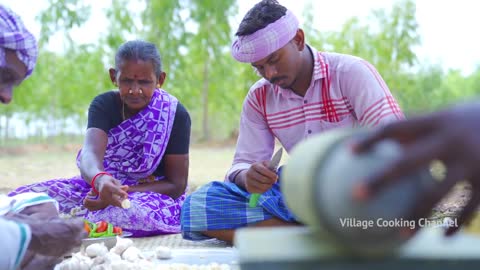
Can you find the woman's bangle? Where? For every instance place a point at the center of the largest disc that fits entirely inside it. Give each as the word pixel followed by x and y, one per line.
pixel 95 178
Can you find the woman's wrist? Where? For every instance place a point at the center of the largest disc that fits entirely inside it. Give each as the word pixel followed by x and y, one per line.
pixel 97 181
pixel 132 188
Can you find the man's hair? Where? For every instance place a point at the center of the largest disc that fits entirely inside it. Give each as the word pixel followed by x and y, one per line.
pixel 261 15
pixel 139 50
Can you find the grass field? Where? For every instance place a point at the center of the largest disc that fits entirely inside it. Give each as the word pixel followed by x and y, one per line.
pixel 21 165
pixel 34 163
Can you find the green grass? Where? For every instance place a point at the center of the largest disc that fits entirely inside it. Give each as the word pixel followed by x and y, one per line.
pixel 60 140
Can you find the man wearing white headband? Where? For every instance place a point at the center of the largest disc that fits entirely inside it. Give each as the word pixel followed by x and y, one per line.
pixel 302 92
pixel 32 235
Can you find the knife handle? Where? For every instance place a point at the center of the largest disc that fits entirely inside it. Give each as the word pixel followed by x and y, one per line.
pixel 254 199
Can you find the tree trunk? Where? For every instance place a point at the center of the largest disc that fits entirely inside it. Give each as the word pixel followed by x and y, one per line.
pixel 52 122
pixel 2 129
pixel 7 126
pixel 205 125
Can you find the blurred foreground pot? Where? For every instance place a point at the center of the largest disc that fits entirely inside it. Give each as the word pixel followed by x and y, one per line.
pixel 317 184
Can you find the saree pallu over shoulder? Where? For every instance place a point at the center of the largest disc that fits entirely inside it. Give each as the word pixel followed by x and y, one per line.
pixel 136 146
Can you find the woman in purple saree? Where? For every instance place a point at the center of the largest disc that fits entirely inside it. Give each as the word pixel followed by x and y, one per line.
pixel 136 148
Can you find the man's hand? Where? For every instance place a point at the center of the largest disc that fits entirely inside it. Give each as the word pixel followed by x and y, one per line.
pixel 55 237
pixel 451 136
pixel 259 178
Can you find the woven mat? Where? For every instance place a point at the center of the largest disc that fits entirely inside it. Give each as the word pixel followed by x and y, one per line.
pixel 176 241
pixel 190 252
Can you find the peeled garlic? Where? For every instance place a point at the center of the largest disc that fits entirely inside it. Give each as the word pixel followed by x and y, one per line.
pixel 111 257
pixel 179 266
pixel 131 259
pixel 122 265
pixel 101 267
pixel 98 260
pixel 77 262
pixel 132 254
pixel 224 266
pixel 163 253
pixel 148 256
pixel 144 265
pixel 126 204
pixel 97 249
pixel 121 245
pixel 163 267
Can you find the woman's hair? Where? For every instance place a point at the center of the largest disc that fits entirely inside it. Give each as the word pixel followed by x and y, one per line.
pixel 261 15
pixel 139 50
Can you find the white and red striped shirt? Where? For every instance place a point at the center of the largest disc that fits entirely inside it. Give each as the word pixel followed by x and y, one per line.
pixel 346 91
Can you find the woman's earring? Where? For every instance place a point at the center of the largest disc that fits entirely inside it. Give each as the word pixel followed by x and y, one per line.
pixel 130 91
pixel 140 91
pixel 158 85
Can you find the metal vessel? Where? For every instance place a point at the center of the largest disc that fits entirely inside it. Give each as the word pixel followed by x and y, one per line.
pixel 318 181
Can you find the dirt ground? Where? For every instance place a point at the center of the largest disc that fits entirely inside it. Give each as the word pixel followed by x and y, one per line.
pixel 454 202
pixel 29 164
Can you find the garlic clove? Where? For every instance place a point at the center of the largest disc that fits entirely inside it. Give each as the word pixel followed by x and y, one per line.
pixel 126 204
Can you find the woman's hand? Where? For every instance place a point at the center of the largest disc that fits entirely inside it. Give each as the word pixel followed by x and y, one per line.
pixel 111 192
pixel 93 203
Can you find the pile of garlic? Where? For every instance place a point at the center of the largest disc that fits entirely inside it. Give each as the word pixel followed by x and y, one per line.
pixel 125 256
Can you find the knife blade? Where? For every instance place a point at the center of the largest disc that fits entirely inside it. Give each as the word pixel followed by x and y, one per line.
pixel 275 161
pixel 273 165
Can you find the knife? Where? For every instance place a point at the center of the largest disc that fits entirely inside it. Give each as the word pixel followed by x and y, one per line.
pixel 273 165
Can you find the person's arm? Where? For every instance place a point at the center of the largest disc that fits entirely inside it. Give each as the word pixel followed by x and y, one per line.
pixel 99 123
pixel 255 142
pixel 369 95
pixel 175 182
pixel 93 152
pixel 111 192
pixel 52 237
pixel 16 237
pixel 92 155
pixel 176 159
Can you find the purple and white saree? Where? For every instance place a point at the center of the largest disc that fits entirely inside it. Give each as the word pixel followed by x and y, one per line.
pixel 134 151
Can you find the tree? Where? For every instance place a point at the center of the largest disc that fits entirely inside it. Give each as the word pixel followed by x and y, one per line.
pixel 194 36
pixel 63 83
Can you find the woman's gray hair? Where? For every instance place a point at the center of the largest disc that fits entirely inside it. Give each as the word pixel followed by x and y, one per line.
pixel 139 50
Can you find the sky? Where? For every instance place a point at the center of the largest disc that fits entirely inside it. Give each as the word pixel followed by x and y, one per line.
pixel 447 28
